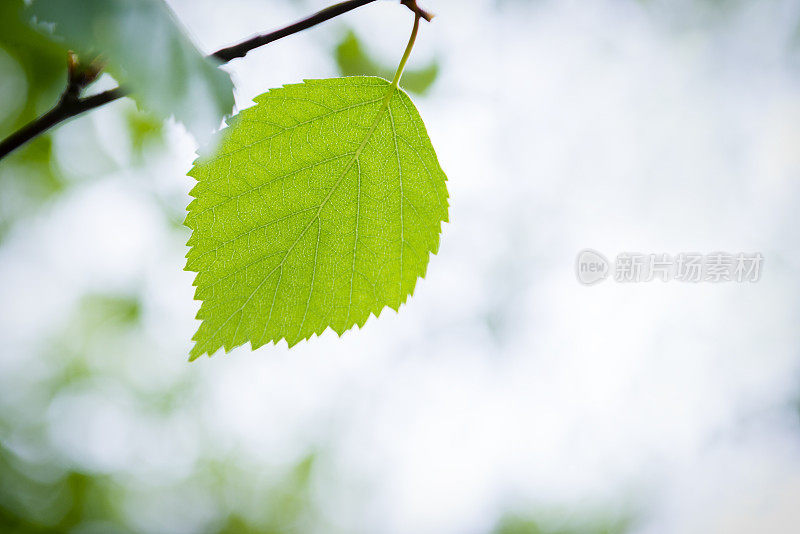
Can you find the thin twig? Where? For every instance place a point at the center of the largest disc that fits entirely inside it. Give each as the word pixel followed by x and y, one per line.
pixel 64 110
pixel 412 5
pixel 71 104
pixel 241 49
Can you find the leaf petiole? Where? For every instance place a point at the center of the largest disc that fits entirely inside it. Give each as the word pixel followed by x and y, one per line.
pixel 407 53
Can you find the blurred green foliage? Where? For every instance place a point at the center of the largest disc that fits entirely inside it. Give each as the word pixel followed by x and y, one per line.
pixel 44 490
pixel 29 177
pixel 289 507
pixel 550 523
pixel 32 77
pixel 42 497
pixel 43 64
pixel 146 49
pixel 33 73
pixel 146 130
pixel 100 309
pixel 353 60
pixel 40 491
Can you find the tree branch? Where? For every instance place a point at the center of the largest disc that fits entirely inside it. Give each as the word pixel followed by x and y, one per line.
pixel 71 104
pixel 241 49
pixel 65 109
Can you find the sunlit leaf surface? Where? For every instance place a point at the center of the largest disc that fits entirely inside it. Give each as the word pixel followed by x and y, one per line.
pixel 321 207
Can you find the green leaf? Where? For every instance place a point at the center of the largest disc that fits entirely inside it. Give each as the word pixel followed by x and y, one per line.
pixel 145 130
pixel 32 76
pixel 321 206
pixel 43 64
pixel 352 60
pixel 148 52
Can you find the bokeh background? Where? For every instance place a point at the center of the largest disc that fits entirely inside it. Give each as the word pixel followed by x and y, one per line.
pixel 505 397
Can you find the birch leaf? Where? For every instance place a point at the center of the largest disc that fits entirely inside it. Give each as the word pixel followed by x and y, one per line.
pixel 320 207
